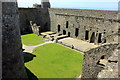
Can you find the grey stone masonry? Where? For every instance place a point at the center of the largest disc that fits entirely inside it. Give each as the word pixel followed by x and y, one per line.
pixel 94 26
pixel 100 60
pixel 12 58
pixel 0 40
pixel 45 4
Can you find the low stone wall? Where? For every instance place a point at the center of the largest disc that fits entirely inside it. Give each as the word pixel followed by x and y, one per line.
pixel 99 59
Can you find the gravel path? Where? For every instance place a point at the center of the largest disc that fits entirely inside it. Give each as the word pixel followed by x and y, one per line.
pixel 30 48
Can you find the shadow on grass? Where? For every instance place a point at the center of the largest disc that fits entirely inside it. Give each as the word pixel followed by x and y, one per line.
pixel 28 57
pixel 30 75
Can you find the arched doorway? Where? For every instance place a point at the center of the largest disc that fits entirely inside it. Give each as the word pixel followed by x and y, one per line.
pixel 68 34
pixel 92 39
pixel 58 28
pixel 86 35
pixel 66 24
pixel 76 32
pixel 99 38
pixel 64 32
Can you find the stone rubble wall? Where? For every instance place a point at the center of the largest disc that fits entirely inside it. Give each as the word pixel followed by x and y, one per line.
pixel 101 62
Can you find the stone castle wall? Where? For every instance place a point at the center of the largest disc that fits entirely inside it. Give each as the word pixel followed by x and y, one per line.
pixel 87 25
pixel 12 58
pixel 94 26
pixel 101 62
pixel 39 16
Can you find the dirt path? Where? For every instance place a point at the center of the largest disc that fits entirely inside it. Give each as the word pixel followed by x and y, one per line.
pixel 30 48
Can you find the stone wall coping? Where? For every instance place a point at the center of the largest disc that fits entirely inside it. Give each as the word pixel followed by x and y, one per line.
pixel 82 9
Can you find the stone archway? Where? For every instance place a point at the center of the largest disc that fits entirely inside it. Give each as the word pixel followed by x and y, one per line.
pixel 86 35
pixel 58 28
pixel 67 24
pixel 64 32
pixel 68 34
pixel 76 32
pixel 99 38
pixel 92 39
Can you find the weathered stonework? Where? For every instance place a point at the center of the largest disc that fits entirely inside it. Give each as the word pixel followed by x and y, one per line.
pixel 0 40
pixel 111 68
pixel 35 28
pixel 40 16
pixel 102 58
pixel 94 26
pixel 45 4
pixel 12 58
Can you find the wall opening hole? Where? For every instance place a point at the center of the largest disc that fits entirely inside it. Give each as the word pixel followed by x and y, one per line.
pixel 98 63
pixel 92 39
pixel 86 35
pixel 103 57
pixel 76 32
pixel 84 27
pixel 64 32
pixel 112 61
pixel 67 24
pixel 6 25
pixel 112 31
pixel 68 34
pixel 58 28
pixel 119 30
pixel 99 38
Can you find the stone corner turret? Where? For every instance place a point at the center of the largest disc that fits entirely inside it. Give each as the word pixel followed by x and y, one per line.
pixel 45 4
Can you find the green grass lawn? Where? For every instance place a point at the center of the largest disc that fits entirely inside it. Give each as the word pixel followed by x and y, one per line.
pixel 55 61
pixel 31 39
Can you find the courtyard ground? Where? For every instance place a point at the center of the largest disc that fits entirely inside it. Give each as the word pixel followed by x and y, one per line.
pixel 55 61
pixel 51 60
pixel 31 39
pixel 86 46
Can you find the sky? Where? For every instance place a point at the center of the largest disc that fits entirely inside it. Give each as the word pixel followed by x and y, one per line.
pixel 75 4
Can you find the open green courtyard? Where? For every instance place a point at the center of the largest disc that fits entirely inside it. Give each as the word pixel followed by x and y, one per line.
pixel 55 61
pixel 31 39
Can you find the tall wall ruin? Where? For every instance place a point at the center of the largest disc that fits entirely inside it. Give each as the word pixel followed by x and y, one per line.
pixel 12 58
pixel 87 25
pixel 40 16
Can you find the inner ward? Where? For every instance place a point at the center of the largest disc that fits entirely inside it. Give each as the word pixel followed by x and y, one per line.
pixel 73 32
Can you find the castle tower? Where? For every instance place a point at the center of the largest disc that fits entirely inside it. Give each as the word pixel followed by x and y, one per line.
pixel 45 4
pixel 119 6
pixel 12 58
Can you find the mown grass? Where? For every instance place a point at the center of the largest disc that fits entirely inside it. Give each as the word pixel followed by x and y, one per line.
pixel 31 39
pixel 55 61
